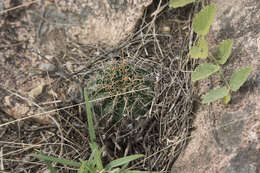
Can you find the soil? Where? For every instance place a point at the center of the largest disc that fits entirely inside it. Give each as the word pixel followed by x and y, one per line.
pixel 159 45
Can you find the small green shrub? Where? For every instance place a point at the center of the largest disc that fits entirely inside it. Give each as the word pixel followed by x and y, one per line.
pixel 201 24
pixel 94 163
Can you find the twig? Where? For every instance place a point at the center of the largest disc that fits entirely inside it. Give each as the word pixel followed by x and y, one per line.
pixel 19 6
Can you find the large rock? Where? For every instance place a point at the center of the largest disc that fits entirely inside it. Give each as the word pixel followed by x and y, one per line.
pixel 227 138
pixel 87 21
pixel 32 35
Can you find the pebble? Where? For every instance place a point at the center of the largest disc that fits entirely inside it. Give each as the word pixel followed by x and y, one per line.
pixel 166 29
pixel 47 67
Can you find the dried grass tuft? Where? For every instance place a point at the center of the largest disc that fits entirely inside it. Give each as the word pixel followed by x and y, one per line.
pixel 159 47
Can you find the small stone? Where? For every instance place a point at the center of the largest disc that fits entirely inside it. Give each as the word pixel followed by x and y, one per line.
pixel 35 92
pixel 47 67
pixel 52 93
pixel 69 66
pixel 23 109
pixel 166 29
pixel 7 101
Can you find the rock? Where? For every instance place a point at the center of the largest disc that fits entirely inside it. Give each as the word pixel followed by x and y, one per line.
pixel 165 29
pixel 99 22
pixel 32 36
pixel 227 138
pixel 35 92
pixel 47 67
pixel 246 160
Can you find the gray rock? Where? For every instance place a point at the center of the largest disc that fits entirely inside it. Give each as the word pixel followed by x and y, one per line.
pixel 227 137
pixel 247 160
pixel 47 67
pixel 104 22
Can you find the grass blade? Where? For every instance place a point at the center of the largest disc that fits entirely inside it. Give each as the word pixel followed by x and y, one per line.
pixel 88 167
pixel 129 171
pixel 180 3
pixel 49 165
pixel 57 160
pixel 89 117
pixel 83 167
pixel 97 155
pixel 122 161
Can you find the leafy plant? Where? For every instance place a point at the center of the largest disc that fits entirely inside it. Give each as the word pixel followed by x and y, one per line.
pixel 201 24
pixel 94 163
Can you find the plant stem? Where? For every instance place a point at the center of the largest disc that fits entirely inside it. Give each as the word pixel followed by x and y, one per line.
pixel 220 70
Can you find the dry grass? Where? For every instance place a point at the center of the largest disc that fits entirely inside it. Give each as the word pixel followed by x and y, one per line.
pixel 161 133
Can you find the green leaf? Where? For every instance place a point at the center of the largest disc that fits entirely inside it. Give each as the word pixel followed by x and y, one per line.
pixel 57 160
pixel 224 50
pixel 227 98
pixel 122 161
pixel 130 171
pixel 89 117
pixel 239 78
pixel 214 95
pixel 123 169
pixel 200 51
pixel 91 163
pixel 51 168
pixel 180 3
pixel 97 155
pixel 195 52
pixel 203 71
pixel 203 20
pixel 87 166
pixel 204 47
pixel 83 167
